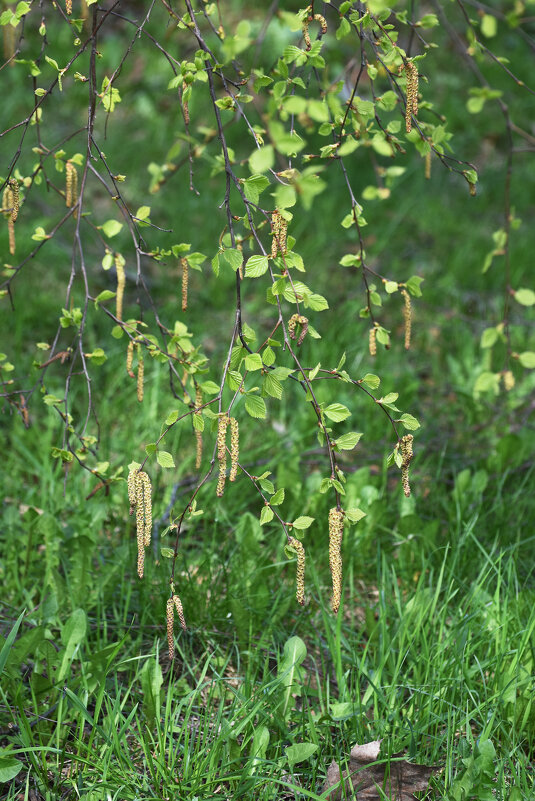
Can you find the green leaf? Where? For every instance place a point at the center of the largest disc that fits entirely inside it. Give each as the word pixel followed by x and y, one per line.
pixel 198 421
pixel 354 515
pixel 316 302
pixel 254 186
pixel 489 337
pixel 348 441
pixel 272 386
pixel 167 553
pixel 262 160
pixel 526 297
pixel 303 522
pixel 409 422
pixel 106 294
pixel 111 228
pixel 97 357
pixel 253 361
pixel 266 515
pixel 413 286
pixel 165 459
pixel 10 639
pixel 143 213
pixel 277 498
pixel 288 672
pixel 72 634
pixel 255 406
pixel 171 418
pixel 300 752
pixel 210 388
pixel 256 266
pixel 489 26
pixel 337 412
pixel 486 382
pixel 372 381
pixel 391 286
pixel 233 257
pixel 527 359
pixel 268 356
pixel 9 766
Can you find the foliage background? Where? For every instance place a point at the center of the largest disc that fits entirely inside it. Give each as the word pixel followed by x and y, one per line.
pixel 433 651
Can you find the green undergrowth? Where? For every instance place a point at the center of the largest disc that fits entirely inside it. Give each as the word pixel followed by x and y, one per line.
pixel 432 652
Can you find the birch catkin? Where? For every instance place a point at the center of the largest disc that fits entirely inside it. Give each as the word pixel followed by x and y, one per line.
pixel 140 499
pixel 121 280
pixel 234 448
pixel 179 610
pixel 10 210
pixel 280 229
pixel 373 342
pixel 185 277
pixel 15 199
pixel 298 546
pixel 407 317
pixel 406 455
pixel 140 373
pixel 411 106
pixel 71 184
pixel 198 434
pixel 222 454
pixel 130 358
pixel 336 529
pixel 170 616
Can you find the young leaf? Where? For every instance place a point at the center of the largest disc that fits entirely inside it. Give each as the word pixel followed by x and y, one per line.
pixel 165 459
pixel 255 406
pixel 348 441
pixel 337 412
pixel 303 522
pixel 256 266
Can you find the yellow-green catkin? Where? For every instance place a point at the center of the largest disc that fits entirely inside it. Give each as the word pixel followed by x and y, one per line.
pixel 298 546
pixel 373 342
pixel 411 71
pixel 140 498
pixel 293 322
pixel 508 380
pixel 185 106
pixel 121 280
pixel 8 206
pixel 428 165
pixel 180 611
pixel 222 454
pixel 407 317
pixel 130 358
pixel 322 21
pixel 15 199
pixel 336 530
pixel 68 7
pixel 234 448
pixel 185 277
pixel 198 434
pixel 406 456
pixel 306 34
pixel 170 619
pixel 71 184
pixel 279 227
pixel 140 373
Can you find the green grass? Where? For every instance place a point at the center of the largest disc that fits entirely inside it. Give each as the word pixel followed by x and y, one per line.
pixel 433 651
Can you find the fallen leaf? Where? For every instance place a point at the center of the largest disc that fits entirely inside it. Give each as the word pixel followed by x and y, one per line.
pixel 371 780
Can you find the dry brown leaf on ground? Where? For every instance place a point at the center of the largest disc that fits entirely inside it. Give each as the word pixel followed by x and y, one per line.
pixel 397 779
